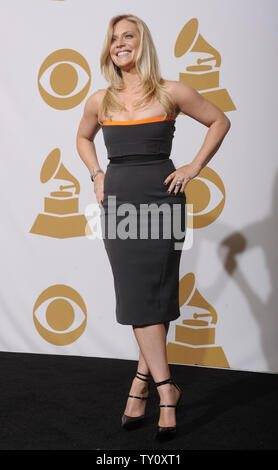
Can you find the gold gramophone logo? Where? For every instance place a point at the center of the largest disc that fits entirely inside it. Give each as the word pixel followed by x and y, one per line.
pixel 60 218
pixel 199 192
pixel 60 75
pixel 64 317
pixel 195 338
pixel 203 76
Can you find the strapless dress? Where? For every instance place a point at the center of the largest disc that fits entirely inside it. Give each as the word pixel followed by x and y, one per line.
pixel 143 226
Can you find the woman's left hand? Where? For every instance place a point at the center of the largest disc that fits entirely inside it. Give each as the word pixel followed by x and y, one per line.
pixel 184 174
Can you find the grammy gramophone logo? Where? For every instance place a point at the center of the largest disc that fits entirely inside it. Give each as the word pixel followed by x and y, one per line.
pixel 195 337
pixel 202 76
pixel 60 218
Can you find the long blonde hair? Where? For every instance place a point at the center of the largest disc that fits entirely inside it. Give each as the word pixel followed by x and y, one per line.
pixel 147 67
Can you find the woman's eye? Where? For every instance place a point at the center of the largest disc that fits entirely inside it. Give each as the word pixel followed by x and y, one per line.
pixel 130 35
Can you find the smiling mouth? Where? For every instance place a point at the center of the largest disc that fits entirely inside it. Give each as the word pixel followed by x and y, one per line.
pixel 119 54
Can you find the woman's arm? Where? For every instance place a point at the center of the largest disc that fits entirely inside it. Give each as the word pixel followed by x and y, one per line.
pixel 87 130
pixel 193 104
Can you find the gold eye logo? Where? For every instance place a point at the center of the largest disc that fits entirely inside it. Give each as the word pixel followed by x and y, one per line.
pixel 200 195
pixel 62 79
pixel 61 315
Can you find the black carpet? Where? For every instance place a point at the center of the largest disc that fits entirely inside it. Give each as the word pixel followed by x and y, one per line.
pixel 75 403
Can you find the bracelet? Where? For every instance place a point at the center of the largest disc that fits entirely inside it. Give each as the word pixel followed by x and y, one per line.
pixel 95 172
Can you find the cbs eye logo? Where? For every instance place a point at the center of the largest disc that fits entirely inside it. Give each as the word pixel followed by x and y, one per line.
pixel 63 318
pixel 202 192
pixel 59 76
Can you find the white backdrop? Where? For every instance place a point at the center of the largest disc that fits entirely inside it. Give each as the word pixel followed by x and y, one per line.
pixel 230 272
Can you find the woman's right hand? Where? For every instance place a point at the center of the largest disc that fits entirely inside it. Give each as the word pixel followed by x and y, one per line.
pixel 99 187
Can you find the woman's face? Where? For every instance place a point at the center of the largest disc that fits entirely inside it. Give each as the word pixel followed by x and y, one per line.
pixel 126 39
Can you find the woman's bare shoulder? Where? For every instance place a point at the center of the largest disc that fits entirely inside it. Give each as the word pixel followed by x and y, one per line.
pixel 182 93
pixel 176 87
pixel 172 90
pixel 175 84
pixel 93 102
pixel 179 89
pixel 194 104
pixel 96 97
pixel 169 83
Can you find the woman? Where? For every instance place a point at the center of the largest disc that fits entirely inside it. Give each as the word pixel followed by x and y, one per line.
pixel 137 114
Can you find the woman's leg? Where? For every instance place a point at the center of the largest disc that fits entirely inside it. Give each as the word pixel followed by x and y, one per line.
pixel 142 364
pixel 152 343
pixel 136 407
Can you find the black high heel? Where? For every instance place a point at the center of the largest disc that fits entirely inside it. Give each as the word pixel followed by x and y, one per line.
pixel 167 431
pixel 128 422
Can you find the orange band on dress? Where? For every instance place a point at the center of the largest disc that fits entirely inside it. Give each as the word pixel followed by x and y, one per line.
pixel 137 121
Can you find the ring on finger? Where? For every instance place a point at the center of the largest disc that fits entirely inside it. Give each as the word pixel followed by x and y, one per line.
pixel 178 182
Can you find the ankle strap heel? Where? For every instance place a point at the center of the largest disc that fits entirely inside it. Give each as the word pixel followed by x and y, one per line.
pixel 165 432
pixel 144 380
pixel 129 422
pixel 145 375
pixel 170 381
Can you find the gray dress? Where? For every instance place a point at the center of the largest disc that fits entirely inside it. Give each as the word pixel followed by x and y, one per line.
pixel 145 268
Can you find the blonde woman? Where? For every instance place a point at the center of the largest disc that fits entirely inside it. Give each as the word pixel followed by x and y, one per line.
pixel 137 114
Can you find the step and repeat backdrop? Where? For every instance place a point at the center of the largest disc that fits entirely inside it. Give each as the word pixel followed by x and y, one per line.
pixel 57 291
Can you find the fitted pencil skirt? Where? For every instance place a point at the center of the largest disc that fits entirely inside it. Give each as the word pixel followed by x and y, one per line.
pixel 143 229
